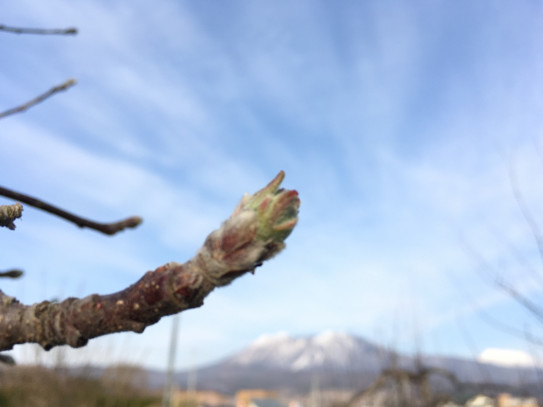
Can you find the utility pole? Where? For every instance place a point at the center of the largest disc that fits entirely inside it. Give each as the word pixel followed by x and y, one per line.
pixel 192 376
pixel 168 385
pixel 315 391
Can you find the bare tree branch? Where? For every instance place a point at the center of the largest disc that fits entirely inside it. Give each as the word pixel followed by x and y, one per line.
pixel 254 233
pixel 8 213
pixel 401 378
pixel 40 31
pixel 106 228
pixel 526 213
pixel 510 329
pixel 534 309
pixel 38 99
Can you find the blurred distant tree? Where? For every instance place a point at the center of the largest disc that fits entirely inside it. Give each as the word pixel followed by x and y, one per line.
pixel 125 378
pixel 39 386
pixel 398 387
pixel 516 286
pixel 255 232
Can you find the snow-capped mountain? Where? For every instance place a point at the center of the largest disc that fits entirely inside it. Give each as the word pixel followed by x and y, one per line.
pixel 279 361
pixel 338 361
pixel 331 350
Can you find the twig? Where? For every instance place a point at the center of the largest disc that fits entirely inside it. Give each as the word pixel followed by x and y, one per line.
pixel 40 98
pixel 509 329
pixel 41 31
pixel 8 213
pixel 526 213
pixel 533 308
pixel 106 228
pixel 524 301
pixel 14 273
pixel 255 232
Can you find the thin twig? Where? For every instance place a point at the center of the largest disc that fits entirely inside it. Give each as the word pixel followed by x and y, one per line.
pixel 14 273
pixel 106 228
pixel 38 99
pixel 509 329
pixel 533 308
pixel 40 31
pixel 507 287
pixel 526 213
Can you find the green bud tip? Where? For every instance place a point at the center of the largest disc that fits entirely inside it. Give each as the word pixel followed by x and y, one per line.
pixel 276 208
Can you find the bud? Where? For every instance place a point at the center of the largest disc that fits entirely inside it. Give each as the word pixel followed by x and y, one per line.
pixel 254 233
pixel 276 209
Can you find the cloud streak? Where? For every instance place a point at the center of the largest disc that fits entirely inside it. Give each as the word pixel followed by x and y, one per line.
pixel 395 122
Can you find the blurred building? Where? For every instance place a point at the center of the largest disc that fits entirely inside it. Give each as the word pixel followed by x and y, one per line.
pixel 506 400
pixel 201 399
pixel 503 400
pixel 258 398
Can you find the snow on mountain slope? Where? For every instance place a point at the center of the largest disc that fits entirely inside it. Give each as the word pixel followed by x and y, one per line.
pixel 339 361
pixel 331 350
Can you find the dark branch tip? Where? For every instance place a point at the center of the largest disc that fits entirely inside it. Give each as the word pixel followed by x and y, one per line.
pixel 15 273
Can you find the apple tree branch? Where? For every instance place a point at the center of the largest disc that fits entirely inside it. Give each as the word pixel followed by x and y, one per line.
pixel 255 232
pixel 59 88
pixel 106 228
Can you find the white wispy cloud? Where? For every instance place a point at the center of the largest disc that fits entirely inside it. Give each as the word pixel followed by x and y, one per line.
pixel 395 130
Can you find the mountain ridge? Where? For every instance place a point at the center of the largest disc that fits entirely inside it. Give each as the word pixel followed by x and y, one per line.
pixel 329 349
pixel 338 360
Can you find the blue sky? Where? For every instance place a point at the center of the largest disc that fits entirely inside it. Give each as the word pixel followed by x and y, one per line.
pixel 396 121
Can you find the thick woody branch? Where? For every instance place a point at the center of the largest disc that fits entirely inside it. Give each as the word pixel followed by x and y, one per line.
pixel 254 233
pixel 8 213
pixel 38 99
pixel 106 228
pixel 40 31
